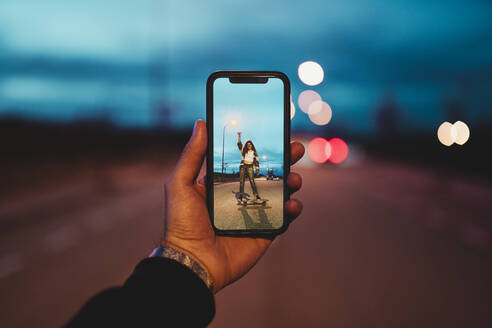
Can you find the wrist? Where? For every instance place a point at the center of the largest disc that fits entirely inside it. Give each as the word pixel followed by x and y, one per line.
pixel 178 255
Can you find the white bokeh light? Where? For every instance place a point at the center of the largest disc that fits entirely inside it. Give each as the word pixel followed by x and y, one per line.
pixel 310 73
pixel 444 134
pixel 323 116
pixel 306 98
pixel 454 133
pixel 449 134
pixel 460 132
pixel 315 107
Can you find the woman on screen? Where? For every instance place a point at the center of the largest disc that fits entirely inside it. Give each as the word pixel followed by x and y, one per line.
pixel 249 164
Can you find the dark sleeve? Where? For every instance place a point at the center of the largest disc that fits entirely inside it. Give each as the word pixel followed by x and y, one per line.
pixel 160 293
pixel 240 145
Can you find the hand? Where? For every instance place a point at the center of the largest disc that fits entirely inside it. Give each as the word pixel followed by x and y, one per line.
pixel 187 224
pixel 257 171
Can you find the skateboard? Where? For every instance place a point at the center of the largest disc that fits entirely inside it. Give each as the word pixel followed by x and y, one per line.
pixel 249 202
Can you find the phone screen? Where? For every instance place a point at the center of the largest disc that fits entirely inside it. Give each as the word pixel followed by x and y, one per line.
pixel 248 154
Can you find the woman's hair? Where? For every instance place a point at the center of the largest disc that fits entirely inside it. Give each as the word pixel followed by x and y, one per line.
pixel 245 148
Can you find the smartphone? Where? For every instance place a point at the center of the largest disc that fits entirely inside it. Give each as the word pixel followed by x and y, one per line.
pixel 248 156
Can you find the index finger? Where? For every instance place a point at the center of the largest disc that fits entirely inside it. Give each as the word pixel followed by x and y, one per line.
pixel 296 152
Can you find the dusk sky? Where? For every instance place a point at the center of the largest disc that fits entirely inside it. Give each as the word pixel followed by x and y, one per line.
pixel 258 110
pixel 119 60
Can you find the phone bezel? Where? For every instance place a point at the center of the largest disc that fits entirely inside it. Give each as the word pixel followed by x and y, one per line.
pixel 209 181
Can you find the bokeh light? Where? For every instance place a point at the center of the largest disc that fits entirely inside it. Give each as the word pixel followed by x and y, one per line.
pixel 315 107
pixel 310 73
pixel 317 150
pixel 444 134
pixel 306 98
pixel 453 133
pixel 328 150
pixel 339 150
pixel 461 132
pixel 292 108
pixel 233 122
pixel 323 116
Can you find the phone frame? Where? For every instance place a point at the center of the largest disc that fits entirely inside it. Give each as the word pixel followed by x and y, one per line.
pixel 210 141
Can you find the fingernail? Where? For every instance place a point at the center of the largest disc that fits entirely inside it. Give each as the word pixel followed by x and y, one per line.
pixel 195 127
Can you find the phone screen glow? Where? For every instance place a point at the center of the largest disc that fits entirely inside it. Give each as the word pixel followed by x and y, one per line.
pixel 256 110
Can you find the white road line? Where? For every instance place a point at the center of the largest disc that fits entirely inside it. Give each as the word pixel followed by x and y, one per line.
pixel 10 264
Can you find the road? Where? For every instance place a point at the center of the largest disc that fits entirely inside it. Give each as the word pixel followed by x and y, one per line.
pixel 231 216
pixel 378 244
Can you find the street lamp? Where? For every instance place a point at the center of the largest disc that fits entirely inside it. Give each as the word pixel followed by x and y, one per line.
pixel 233 123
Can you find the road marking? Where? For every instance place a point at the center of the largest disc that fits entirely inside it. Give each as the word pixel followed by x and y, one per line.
pixel 10 264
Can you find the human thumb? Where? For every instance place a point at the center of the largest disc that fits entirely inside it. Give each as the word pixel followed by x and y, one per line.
pixel 191 159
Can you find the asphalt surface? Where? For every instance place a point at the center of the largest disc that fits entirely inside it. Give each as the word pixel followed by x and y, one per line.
pixel 378 245
pixel 230 216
